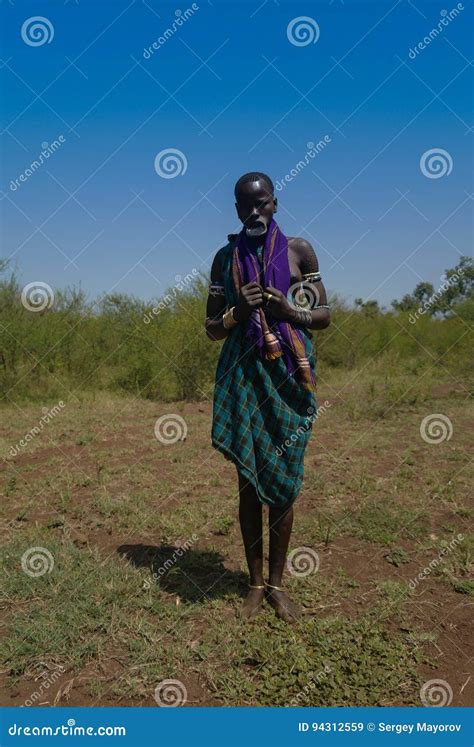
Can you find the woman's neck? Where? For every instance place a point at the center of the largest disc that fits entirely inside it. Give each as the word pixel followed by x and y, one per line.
pixel 257 241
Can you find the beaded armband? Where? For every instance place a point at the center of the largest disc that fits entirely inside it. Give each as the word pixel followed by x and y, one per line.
pixel 311 277
pixel 216 289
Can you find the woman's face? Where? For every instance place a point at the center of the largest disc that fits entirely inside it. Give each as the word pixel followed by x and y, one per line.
pixel 255 203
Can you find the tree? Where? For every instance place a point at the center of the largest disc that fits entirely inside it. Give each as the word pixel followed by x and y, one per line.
pixel 457 287
pixel 368 308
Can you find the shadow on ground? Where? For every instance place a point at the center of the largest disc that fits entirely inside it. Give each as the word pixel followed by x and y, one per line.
pixel 195 575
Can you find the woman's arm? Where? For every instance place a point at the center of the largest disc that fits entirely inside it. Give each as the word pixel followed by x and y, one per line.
pixel 216 303
pixel 313 286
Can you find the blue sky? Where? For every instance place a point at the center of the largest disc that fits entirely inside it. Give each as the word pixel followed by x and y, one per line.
pixel 233 93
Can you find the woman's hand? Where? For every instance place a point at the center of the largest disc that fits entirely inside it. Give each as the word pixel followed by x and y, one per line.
pixel 278 306
pixel 251 297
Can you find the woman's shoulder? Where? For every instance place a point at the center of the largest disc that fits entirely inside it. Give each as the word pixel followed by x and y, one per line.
pixel 223 254
pixel 224 251
pixel 299 244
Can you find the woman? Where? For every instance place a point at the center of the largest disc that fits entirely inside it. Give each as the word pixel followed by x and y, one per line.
pixel 264 395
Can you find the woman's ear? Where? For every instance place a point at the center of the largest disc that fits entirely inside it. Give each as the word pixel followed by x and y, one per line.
pixel 275 201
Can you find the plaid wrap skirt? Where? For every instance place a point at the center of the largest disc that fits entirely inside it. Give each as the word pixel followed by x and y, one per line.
pixel 262 418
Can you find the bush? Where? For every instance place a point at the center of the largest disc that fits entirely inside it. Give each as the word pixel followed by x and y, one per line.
pixel 159 350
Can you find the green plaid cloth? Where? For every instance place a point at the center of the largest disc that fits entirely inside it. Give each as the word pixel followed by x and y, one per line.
pixel 262 417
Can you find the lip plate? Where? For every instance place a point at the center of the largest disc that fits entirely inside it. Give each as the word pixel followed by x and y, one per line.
pixel 257 229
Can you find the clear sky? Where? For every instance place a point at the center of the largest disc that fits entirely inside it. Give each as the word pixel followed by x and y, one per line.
pixel 232 91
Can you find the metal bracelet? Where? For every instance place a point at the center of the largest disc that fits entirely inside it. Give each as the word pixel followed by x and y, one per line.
pixel 228 320
pixel 303 316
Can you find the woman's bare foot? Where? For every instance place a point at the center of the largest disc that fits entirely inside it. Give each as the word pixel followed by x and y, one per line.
pixel 284 607
pixel 252 603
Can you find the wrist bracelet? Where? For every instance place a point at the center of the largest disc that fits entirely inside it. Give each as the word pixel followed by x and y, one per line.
pixel 303 316
pixel 228 319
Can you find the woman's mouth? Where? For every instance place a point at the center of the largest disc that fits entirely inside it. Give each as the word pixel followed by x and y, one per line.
pixel 255 229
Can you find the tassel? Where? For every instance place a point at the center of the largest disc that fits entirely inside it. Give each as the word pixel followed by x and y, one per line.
pixel 272 356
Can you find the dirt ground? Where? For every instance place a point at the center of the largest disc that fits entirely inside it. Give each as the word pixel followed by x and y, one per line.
pixel 149 568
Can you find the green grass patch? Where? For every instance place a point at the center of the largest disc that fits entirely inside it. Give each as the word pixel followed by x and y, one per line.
pixel 88 609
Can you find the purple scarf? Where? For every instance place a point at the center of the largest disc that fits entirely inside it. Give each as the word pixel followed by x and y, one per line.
pixel 273 337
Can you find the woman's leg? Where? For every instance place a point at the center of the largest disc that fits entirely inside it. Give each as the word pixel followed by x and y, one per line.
pixel 250 516
pixel 280 524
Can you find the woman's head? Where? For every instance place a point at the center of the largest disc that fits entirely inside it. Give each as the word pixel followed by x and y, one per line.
pixel 255 201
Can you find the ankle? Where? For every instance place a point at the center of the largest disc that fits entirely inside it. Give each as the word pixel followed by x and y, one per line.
pixel 274 588
pixel 274 582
